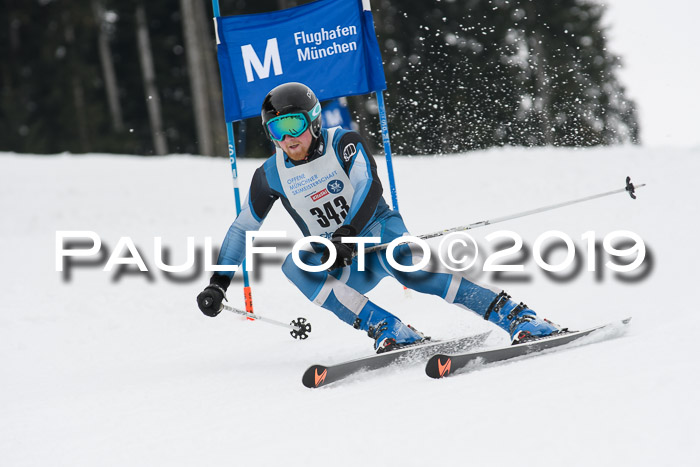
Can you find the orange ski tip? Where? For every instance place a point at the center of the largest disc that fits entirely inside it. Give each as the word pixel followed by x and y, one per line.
pixel 318 379
pixel 444 368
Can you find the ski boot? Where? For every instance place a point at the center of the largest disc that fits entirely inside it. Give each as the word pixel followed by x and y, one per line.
pixel 522 323
pixel 530 328
pixel 388 332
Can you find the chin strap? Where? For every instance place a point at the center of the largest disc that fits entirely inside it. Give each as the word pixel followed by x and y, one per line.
pixel 317 146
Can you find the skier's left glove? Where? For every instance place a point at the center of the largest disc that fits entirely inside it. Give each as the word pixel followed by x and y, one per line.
pixel 345 251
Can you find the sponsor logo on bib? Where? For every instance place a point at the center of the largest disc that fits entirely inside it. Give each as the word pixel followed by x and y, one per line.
pixel 319 194
pixel 335 186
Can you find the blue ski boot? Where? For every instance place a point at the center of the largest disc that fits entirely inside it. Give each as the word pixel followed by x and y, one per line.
pixel 388 332
pixel 522 323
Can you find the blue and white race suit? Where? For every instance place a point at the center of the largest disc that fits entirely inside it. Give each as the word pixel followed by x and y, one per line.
pixel 338 185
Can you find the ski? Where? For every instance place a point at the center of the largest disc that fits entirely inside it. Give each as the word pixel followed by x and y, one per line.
pixel 444 364
pixel 321 375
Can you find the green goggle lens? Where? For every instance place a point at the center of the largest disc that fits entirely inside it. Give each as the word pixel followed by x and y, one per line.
pixel 289 124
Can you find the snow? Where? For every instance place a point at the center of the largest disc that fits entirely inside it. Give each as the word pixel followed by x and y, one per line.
pixel 126 371
pixel 660 65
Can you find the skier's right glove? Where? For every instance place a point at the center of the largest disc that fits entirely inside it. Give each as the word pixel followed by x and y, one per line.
pixel 213 295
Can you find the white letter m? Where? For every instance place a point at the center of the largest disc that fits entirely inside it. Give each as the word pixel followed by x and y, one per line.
pixel 272 56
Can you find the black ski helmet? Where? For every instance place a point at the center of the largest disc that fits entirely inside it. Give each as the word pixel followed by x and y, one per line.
pixel 290 98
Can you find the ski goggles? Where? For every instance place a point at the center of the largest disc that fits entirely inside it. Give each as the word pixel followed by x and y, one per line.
pixel 293 124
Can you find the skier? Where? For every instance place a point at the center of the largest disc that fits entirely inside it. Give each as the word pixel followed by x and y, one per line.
pixel 327 181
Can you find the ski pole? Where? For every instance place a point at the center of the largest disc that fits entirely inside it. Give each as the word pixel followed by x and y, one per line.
pixel 300 328
pixel 629 188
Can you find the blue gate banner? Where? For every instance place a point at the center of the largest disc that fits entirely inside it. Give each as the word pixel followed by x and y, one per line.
pixel 329 45
pixel 336 113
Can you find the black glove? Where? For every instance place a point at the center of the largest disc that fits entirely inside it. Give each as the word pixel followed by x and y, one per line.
pixel 344 251
pixel 211 298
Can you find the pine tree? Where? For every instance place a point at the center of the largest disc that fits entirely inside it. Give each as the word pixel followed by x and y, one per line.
pixel 461 75
pixel 476 74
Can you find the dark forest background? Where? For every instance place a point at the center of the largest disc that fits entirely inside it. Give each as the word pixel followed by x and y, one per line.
pixel 140 77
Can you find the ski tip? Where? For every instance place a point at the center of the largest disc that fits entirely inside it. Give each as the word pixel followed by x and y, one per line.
pixel 439 366
pixel 315 376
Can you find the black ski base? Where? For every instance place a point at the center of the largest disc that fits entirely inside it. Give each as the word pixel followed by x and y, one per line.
pixel 445 364
pixel 321 375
